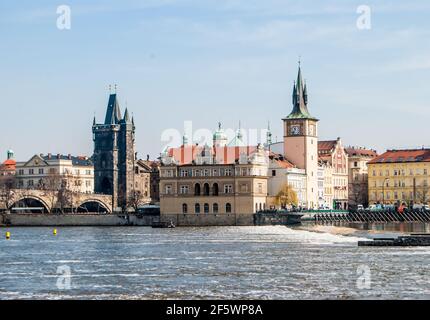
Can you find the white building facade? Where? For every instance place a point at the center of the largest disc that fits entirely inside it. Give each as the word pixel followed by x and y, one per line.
pixel 44 171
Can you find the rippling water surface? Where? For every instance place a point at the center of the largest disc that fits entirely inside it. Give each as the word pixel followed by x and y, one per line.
pixel 206 263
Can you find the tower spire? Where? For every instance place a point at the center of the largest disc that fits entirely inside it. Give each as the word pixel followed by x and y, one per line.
pixel 300 98
pixel 113 112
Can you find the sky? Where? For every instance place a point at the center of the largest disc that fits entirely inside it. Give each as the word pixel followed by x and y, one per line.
pixel 211 61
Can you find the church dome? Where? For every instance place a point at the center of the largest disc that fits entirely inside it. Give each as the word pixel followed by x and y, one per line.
pixel 219 134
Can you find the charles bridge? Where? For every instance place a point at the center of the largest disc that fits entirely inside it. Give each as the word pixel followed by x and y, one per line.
pixel 42 201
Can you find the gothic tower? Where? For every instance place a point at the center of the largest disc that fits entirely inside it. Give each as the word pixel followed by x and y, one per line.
pixel 114 155
pixel 301 139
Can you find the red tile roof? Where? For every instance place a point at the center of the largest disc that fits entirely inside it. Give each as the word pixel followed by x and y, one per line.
pixel 400 156
pixel 326 145
pixel 223 155
pixel 281 161
pixel 361 152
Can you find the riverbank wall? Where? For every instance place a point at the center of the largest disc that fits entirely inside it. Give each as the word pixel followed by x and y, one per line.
pixel 113 220
pixel 77 220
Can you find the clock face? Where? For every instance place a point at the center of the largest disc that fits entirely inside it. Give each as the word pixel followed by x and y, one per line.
pixel 295 130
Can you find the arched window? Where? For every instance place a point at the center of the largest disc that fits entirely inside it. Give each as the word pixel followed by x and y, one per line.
pixel 206 208
pixel 197 208
pixel 197 189
pixel 215 208
pixel 206 189
pixel 256 207
pixel 261 207
pixel 215 190
pixel 184 208
pixel 228 208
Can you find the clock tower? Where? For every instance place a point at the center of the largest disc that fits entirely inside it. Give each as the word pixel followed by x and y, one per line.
pixel 301 139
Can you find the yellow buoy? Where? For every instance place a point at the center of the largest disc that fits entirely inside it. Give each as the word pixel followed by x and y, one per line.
pixel 55 232
pixel 7 235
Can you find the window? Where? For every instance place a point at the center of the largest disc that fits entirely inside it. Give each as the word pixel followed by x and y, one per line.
pixel 355 164
pixel 260 188
pixel 206 208
pixel 228 208
pixel 228 172
pixel 40 171
pixel 206 189
pixel 197 189
pixel 197 208
pixel 30 183
pixel 31 171
pixel 215 190
pixel 184 189
pixel 184 173
pixel 215 208
pixel 168 189
pixel 273 173
pixel 228 188
pixel 21 172
pixel 184 208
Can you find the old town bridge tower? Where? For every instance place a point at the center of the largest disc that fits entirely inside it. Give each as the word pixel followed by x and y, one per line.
pixel 114 154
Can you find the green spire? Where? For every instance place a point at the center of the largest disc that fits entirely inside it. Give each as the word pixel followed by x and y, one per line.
pixel 300 99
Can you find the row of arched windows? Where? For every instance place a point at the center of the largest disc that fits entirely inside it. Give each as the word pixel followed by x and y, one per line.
pixel 206 189
pixel 206 208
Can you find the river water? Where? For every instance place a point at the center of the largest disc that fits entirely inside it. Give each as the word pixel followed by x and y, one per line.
pixel 210 263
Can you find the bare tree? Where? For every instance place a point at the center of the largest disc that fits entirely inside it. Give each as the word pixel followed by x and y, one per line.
pixel 51 185
pixel 7 190
pixel 423 195
pixel 135 199
pixel 65 195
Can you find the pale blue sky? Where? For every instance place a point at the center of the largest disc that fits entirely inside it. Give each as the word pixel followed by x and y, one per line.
pixel 210 61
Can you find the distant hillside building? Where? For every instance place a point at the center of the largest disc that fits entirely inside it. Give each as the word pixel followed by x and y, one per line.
pixel 400 176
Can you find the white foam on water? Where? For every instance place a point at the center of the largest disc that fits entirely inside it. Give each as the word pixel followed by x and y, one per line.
pixel 311 237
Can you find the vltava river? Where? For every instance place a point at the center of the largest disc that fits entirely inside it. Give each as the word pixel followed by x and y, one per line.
pixel 206 263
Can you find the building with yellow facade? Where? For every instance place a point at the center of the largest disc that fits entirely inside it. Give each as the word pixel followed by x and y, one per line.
pixel 400 176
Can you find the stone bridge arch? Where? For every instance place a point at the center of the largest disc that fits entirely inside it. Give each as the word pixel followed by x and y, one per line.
pixel 93 205
pixel 30 201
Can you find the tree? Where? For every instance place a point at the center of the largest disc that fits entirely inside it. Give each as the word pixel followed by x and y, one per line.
pixel 51 185
pixel 135 199
pixel 287 197
pixel 423 195
pixel 7 190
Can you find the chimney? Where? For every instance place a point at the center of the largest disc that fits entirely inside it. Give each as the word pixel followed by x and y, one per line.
pixel 69 156
pixel 58 156
pixel 49 156
pixel 147 157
